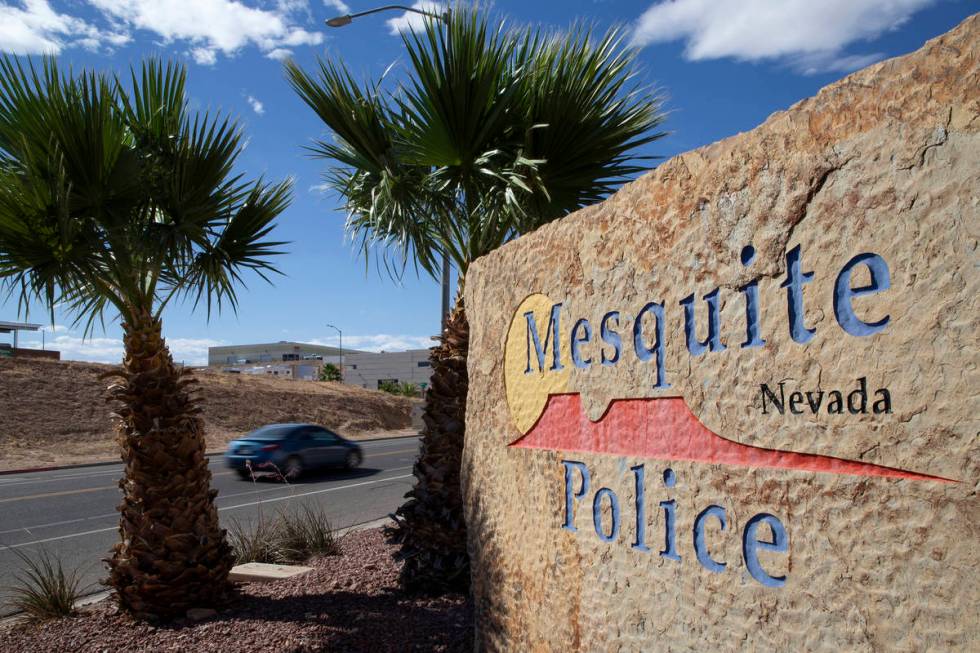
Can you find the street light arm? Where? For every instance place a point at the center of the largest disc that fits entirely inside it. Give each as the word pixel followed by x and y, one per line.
pixel 403 8
pixel 340 21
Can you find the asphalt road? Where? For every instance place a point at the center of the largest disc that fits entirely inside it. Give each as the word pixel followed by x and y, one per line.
pixel 71 513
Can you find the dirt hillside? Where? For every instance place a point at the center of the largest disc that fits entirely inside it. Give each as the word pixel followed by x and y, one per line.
pixel 54 412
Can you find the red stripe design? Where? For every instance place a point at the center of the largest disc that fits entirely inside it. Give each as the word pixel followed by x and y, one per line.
pixel 665 428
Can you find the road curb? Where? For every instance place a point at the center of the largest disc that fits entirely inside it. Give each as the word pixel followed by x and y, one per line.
pixel 106 463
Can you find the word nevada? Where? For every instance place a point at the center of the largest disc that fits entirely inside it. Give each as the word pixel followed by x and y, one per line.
pixel 583 332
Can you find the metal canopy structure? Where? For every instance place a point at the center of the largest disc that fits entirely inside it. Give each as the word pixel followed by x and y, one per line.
pixel 14 327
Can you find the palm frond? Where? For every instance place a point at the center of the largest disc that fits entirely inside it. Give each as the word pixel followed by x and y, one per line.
pixel 114 196
pixel 496 132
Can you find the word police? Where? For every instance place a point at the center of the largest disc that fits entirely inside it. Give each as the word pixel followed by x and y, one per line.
pixel 707 534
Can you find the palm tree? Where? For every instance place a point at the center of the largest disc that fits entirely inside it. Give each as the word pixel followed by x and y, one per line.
pixel 116 199
pixel 494 133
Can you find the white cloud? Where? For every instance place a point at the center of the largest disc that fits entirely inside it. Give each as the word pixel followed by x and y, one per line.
pixel 190 351
pixel 810 36
pixel 213 26
pixel 338 5
pixel 97 350
pixel 33 27
pixel 279 54
pixel 378 342
pixel 412 21
pixel 256 105
pixel 204 56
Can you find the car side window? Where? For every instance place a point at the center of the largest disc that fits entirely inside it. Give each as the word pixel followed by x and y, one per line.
pixel 324 436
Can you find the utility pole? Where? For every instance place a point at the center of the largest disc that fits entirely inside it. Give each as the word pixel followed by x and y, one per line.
pixel 341 21
pixel 340 334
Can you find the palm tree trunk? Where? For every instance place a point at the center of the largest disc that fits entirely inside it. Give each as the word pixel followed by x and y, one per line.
pixel 430 526
pixel 172 555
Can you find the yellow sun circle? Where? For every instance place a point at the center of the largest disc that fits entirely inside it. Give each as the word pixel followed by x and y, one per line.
pixel 528 389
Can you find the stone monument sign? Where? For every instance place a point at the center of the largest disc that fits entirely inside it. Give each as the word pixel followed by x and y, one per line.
pixel 735 406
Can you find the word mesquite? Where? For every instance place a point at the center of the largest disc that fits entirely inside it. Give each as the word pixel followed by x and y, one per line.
pixel 611 338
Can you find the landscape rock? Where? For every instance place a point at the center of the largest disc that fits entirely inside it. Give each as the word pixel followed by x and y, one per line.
pixel 200 614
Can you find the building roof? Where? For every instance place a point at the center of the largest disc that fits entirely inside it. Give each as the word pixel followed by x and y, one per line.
pixel 282 344
pixel 9 327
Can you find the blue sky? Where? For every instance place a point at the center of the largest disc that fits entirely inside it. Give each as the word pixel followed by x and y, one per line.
pixel 723 65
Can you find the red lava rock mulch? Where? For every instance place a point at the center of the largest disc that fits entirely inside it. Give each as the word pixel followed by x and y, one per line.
pixel 349 602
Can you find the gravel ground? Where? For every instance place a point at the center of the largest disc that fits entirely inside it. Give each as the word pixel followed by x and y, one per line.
pixel 349 602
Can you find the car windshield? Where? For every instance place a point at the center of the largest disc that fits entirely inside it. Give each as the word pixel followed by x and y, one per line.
pixel 270 433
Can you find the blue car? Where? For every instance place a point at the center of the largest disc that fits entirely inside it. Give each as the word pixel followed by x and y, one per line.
pixel 291 449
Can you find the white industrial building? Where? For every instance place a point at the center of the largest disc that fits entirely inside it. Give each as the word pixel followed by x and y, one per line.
pixel 369 369
pixel 302 362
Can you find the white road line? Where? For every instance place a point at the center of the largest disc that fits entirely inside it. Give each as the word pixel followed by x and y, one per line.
pixel 306 494
pixel 20 480
pixel 243 505
pixel 28 529
pixel 270 489
pixel 283 487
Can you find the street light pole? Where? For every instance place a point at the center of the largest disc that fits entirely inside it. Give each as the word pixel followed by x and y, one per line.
pixel 340 334
pixel 341 21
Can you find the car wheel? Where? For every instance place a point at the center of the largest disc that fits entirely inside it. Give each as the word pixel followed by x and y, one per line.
pixel 294 468
pixel 353 459
pixel 244 474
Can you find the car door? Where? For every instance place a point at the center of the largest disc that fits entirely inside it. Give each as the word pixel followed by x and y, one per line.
pixel 308 448
pixel 332 448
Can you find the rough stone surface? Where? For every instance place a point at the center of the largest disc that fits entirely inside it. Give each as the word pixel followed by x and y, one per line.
pixel 887 161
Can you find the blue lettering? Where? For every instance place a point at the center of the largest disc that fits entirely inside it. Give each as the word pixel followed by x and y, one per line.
pixel 597 514
pixel 610 337
pixel 641 511
pixel 844 294
pixel 644 353
pixel 571 495
pixel 751 290
pixel 713 341
pixel 551 337
pixel 670 519
pixel 577 340
pixel 753 541
pixel 700 540
pixel 751 544
pixel 794 296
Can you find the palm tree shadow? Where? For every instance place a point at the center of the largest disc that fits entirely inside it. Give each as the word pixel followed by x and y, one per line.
pixel 493 629
pixel 385 621
pixel 348 620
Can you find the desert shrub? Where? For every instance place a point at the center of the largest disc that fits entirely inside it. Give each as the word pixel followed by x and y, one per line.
pixel 409 389
pixel 293 535
pixel 404 389
pixel 329 372
pixel 390 387
pixel 45 590
pixel 306 532
pixel 256 541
